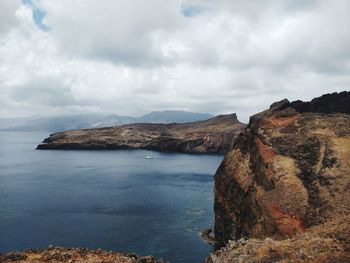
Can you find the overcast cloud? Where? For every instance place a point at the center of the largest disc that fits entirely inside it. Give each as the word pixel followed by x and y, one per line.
pixel 133 57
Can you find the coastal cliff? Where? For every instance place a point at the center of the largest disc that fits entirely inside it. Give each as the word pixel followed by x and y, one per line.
pixel 283 191
pixel 215 135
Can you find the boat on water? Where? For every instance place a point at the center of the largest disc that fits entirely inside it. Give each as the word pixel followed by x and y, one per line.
pixel 148 156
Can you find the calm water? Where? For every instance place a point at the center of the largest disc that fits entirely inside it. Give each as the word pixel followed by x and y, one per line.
pixel 115 200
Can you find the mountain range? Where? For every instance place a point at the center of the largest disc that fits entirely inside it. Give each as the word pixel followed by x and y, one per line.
pixel 72 122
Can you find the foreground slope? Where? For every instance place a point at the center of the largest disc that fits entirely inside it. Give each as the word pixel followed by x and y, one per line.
pixel 286 186
pixel 77 255
pixel 215 135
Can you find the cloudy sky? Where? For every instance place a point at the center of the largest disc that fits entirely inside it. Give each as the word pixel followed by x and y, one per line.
pixel 134 56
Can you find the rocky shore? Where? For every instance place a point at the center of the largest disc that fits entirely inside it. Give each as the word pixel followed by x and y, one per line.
pixel 282 194
pixel 216 135
pixel 207 236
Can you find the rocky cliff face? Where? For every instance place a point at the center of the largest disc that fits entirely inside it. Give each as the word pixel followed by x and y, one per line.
pixel 215 135
pixel 288 176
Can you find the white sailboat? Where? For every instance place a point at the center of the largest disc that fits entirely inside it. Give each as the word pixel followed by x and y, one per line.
pixel 148 156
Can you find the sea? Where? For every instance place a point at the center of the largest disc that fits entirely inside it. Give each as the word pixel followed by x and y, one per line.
pixel 110 199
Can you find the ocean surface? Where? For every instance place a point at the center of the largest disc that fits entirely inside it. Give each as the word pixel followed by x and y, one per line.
pixel 114 200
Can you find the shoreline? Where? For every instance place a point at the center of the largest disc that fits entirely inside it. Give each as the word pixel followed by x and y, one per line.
pixel 207 236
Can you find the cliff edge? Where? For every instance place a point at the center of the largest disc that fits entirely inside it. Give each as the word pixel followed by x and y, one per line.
pixel 283 191
pixel 215 135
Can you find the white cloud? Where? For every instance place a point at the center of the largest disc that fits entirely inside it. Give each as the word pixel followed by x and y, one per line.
pixel 121 31
pixel 8 17
pixel 137 56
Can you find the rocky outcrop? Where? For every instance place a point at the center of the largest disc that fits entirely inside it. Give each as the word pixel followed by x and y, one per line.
pixel 215 135
pixel 288 176
pixel 77 255
pixel 328 103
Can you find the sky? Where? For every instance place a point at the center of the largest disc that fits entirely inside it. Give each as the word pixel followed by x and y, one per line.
pixel 133 57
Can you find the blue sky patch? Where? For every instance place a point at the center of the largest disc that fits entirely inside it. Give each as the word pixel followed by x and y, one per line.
pixel 190 10
pixel 38 15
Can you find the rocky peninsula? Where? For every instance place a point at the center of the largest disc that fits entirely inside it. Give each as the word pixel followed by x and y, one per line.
pixel 215 135
pixel 282 194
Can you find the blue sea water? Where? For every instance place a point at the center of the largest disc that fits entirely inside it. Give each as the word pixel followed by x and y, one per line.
pixel 114 200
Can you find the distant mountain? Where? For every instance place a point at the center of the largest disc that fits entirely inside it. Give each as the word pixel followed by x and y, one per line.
pixel 54 123
pixel 72 122
pixel 168 116
pixel 112 120
pixel 173 116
